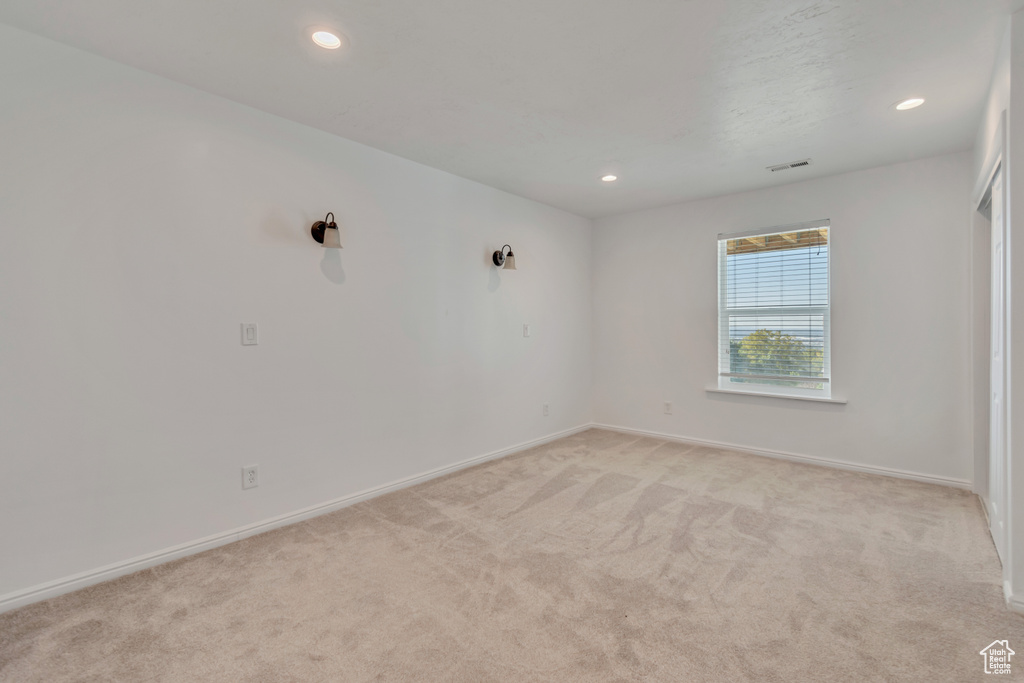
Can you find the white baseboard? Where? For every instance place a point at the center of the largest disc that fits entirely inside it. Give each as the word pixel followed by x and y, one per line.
pixel 1013 602
pixel 75 582
pixel 809 459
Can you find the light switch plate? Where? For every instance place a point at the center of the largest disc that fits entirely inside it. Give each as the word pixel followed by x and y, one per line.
pixel 250 334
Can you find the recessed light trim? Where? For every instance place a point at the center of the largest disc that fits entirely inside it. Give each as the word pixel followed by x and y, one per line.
pixel 609 178
pixel 911 103
pixel 326 40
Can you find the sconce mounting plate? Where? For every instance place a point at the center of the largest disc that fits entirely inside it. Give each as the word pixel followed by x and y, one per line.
pixel 318 231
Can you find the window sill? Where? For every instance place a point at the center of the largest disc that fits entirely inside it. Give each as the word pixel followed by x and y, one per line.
pixel 765 394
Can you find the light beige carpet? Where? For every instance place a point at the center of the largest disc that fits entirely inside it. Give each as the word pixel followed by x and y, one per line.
pixel 599 557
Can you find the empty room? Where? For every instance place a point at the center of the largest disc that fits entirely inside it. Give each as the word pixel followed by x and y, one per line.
pixel 522 341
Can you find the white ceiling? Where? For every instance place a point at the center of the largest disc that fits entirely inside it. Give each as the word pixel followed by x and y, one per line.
pixel 680 98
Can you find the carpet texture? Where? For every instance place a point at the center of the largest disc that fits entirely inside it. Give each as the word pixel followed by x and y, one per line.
pixel 598 557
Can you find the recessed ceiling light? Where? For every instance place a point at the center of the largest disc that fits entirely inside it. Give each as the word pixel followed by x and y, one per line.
pixel 610 178
pixel 327 40
pixel 910 104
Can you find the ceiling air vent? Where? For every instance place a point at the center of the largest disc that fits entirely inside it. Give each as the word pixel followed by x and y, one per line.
pixel 792 164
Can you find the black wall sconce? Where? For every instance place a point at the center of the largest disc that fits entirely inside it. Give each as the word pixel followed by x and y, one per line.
pixel 326 232
pixel 500 258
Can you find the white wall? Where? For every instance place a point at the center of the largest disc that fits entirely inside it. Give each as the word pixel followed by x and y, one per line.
pixel 1015 304
pixel 987 146
pixel 1007 95
pixel 900 320
pixel 998 100
pixel 141 221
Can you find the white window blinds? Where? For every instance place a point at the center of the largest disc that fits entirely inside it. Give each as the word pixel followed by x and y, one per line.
pixel 773 310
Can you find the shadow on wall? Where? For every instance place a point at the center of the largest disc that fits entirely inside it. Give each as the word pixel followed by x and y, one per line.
pixel 805 406
pixel 493 279
pixel 331 266
pixel 277 228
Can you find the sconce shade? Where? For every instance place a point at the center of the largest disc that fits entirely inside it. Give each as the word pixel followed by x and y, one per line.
pixel 501 259
pixel 332 238
pixel 326 232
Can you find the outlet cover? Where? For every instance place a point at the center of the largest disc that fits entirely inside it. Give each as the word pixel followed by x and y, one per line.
pixel 545 410
pixel 668 407
pixel 250 477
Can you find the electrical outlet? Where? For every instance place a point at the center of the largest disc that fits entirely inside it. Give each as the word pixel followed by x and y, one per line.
pixel 250 477
pixel 545 410
pixel 668 407
pixel 526 330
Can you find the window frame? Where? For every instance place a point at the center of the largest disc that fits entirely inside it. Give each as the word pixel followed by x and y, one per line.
pixel 725 383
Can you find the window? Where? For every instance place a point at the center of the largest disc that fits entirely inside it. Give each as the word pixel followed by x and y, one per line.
pixel 773 310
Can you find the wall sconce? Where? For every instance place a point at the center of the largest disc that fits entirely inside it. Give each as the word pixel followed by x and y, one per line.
pixel 501 258
pixel 326 232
